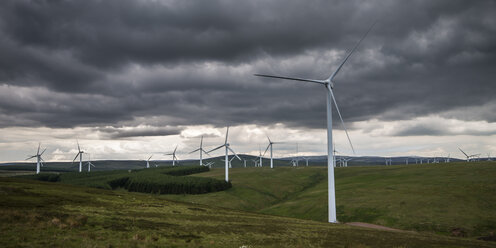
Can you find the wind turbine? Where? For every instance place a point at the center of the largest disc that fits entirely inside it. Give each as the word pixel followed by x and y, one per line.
pixel 489 157
pixel 270 146
pixel 209 164
pixel 39 160
pixel 468 156
pixel 201 151
pixel 148 161
pixel 255 162
pixel 228 148
pixel 388 161
pixel 80 154
pixel 230 160
pixel 306 160
pixel 174 158
pixel 329 85
pixel 89 163
pixel 447 160
pixel 345 161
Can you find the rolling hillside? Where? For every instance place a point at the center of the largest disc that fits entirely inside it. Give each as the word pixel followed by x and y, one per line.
pixel 41 214
pixel 449 199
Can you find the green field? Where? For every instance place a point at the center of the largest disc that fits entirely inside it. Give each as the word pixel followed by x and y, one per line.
pixel 448 199
pixel 43 214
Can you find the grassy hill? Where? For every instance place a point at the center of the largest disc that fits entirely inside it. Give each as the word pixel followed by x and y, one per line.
pixel 438 198
pixel 42 214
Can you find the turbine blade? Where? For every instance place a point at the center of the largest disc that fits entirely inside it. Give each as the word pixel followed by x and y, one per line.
pixel 201 142
pixel 175 150
pixel 31 157
pixel 341 118
pixel 266 149
pixel 270 141
pixel 38 152
pixel 217 148
pixel 206 153
pixel 76 157
pixel 79 149
pixel 462 151
pixel 349 54
pixel 43 152
pixel 234 153
pixel 227 134
pixel 150 157
pixel 194 151
pixel 291 78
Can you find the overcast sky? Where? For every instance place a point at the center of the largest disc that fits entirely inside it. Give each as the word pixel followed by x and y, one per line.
pixel 135 77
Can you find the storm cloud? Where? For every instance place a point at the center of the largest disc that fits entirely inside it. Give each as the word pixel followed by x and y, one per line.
pixel 167 63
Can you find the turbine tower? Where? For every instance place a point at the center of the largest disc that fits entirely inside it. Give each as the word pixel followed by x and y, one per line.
pixel 174 158
pixel 270 146
pixel 80 154
pixel 201 151
pixel 228 148
pixel 260 156
pixel 329 85
pixel 39 160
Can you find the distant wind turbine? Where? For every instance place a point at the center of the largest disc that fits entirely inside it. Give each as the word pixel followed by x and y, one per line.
pixel 80 154
pixel 174 158
pixel 230 160
pixel 201 150
pixel 447 159
pixel 228 148
pixel 209 164
pixel 39 160
pixel 89 162
pixel 270 146
pixel 469 157
pixel 148 162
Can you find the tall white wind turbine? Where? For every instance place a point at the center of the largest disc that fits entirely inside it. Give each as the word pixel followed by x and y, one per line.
pixel 271 152
pixel 329 85
pixel 39 160
pixel 201 151
pixel 226 145
pixel 80 154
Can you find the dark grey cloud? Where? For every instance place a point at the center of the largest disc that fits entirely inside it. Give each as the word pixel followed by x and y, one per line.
pixel 105 63
pixel 123 132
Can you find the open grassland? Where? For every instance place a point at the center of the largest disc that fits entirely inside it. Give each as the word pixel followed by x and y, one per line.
pixel 43 214
pixel 449 199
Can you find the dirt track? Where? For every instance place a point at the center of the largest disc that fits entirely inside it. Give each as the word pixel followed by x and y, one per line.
pixel 368 225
